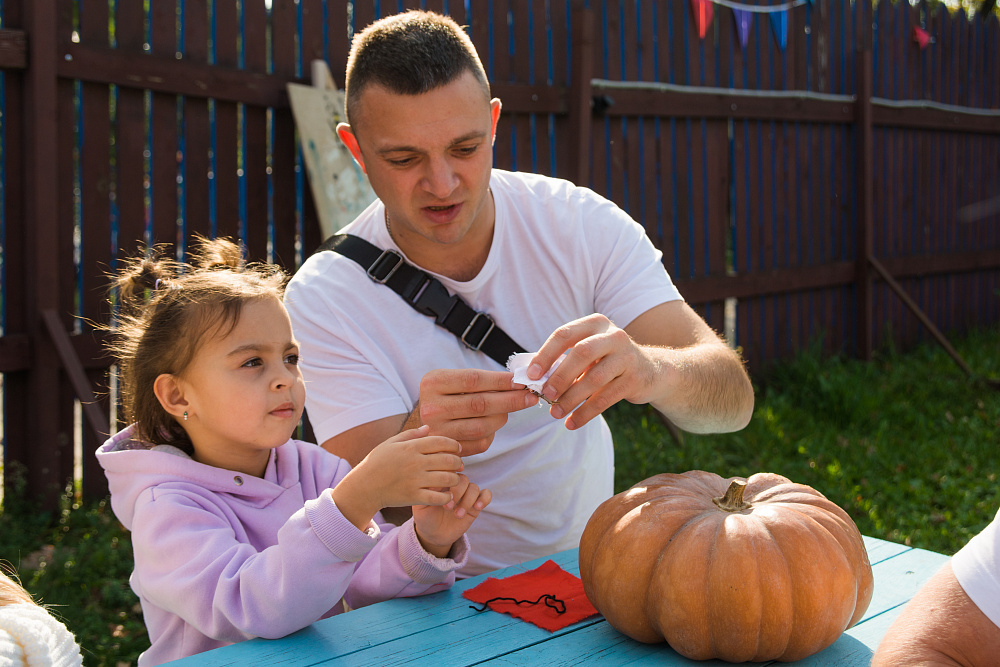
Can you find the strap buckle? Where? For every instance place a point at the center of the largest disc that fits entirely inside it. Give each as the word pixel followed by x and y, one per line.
pixel 433 299
pixel 378 266
pixel 482 338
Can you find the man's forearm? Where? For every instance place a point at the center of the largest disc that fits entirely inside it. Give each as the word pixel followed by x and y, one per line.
pixel 704 388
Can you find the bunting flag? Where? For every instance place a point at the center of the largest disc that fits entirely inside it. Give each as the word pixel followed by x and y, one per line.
pixel 743 20
pixel 779 22
pixel 921 37
pixel 702 10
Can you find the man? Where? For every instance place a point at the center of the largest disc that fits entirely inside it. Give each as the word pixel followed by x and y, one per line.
pixel 558 268
pixel 955 618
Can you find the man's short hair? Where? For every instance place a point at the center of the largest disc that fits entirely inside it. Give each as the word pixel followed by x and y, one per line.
pixel 409 54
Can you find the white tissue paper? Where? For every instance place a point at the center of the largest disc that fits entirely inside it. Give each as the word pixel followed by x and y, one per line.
pixel 518 365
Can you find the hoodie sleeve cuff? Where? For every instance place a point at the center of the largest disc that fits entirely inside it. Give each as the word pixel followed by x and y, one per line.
pixel 339 535
pixel 424 567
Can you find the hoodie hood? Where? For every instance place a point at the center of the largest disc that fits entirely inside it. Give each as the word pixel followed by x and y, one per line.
pixel 133 466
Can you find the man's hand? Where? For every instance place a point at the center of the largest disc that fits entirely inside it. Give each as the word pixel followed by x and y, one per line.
pixel 468 405
pixel 667 357
pixel 603 365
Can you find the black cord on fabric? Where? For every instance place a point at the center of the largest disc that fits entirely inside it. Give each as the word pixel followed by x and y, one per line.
pixel 550 601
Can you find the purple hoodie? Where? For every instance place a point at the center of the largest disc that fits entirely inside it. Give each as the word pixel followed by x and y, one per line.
pixel 221 557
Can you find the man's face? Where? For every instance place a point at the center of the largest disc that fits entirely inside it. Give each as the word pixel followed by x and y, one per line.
pixel 428 158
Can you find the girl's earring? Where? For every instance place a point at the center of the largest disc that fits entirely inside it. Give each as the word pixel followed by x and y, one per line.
pixel 185 415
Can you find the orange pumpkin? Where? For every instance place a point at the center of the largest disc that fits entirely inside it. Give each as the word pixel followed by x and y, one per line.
pixel 756 569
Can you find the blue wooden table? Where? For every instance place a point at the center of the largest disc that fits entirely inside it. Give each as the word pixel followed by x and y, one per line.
pixel 442 629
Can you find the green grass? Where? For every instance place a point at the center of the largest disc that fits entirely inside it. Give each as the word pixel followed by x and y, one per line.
pixel 77 561
pixel 907 444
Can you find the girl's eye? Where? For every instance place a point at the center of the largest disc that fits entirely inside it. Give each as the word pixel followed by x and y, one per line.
pixel 292 359
pixel 250 363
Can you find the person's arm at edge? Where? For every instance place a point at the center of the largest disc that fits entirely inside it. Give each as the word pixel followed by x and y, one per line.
pixel 703 385
pixel 941 625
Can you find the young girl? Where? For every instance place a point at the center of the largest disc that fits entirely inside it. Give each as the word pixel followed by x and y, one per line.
pixel 239 531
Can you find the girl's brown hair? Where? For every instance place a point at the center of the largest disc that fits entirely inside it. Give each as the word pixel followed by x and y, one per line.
pixel 165 309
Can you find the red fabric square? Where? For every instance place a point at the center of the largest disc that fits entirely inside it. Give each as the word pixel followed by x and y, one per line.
pixel 548 579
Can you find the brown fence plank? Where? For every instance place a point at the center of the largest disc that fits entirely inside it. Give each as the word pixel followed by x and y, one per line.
pixel 338 40
pixel 47 468
pixel 256 138
pixel 17 381
pixel 163 123
pixel 479 31
pixel 497 61
pixel 13 49
pixel 312 48
pixel 197 132
pixel 364 15
pixel 97 193
pixel 130 135
pixel 500 55
pixel 311 39
pixel 522 141
pixel 540 76
pixel 62 246
pixel 283 148
pixel 224 175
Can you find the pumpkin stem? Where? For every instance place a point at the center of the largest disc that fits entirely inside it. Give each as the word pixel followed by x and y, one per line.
pixel 733 500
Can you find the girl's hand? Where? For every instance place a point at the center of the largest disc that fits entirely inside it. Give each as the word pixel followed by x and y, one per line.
pixel 438 527
pixel 407 469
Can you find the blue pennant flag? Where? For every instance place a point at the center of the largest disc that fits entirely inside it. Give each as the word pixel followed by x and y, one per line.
pixel 779 21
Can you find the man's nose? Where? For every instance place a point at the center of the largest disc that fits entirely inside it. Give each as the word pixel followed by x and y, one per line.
pixel 440 179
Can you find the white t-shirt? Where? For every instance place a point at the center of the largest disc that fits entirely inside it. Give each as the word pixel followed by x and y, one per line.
pixel 559 252
pixel 977 568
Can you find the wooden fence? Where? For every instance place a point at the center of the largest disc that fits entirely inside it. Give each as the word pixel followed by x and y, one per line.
pixel 811 187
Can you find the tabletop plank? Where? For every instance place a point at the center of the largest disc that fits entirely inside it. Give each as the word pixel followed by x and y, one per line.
pixel 601 642
pixel 369 626
pixel 444 628
pixel 879 550
pixel 897 579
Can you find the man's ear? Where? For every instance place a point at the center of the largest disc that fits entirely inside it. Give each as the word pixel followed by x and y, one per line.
pixel 169 391
pixel 346 135
pixel 494 117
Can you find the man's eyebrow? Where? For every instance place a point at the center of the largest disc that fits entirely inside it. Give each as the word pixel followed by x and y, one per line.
pixel 413 149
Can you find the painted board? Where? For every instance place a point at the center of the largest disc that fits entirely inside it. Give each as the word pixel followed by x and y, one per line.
pixel 340 189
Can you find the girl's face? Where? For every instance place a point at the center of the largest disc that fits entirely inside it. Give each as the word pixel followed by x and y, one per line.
pixel 244 391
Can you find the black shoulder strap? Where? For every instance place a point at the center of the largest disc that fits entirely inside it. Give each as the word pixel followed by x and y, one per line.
pixel 427 295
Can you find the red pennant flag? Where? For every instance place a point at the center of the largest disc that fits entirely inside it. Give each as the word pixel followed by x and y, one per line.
pixel 921 37
pixel 702 10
